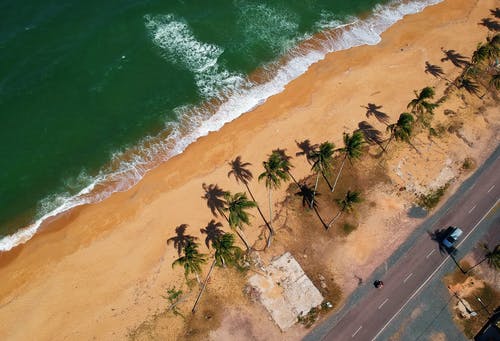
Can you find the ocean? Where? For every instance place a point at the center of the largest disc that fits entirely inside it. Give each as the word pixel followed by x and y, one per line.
pixel 93 94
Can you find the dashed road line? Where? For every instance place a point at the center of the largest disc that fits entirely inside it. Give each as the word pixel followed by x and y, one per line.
pixel 430 253
pixel 433 273
pixel 491 188
pixel 353 335
pixel 408 277
pixel 472 209
pixel 385 301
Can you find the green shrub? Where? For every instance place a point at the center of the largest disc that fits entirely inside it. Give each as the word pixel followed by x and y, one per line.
pixel 431 199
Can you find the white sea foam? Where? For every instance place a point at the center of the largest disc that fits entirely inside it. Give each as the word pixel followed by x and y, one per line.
pixel 179 45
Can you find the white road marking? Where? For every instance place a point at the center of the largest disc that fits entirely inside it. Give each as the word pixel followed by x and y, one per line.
pixel 385 301
pixel 353 335
pixel 433 273
pixel 472 209
pixel 408 277
pixel 430 253
pixel 491 188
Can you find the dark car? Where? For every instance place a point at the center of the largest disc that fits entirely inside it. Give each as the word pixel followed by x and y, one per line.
pixel 452 236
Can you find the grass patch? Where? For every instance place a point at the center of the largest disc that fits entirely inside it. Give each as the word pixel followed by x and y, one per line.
pixel 431 199
pixel 347 228
pixel 469 163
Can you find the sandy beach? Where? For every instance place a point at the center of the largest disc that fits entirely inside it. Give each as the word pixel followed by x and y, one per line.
pixel 98 271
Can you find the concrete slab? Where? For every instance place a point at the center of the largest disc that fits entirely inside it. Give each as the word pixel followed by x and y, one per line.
pixel 286 291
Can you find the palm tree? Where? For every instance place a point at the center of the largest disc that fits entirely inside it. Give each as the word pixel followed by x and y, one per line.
pixel 491 256
pixel 191 261
pixel 323 157
pixel 402 129
pixel 213 232
pixel 180 240
pixel 352 150
pixel 214 195
pixel 226 253
pixel 242 174
pixel 420 105
pixel 495 81
pixel 237 205
pixel 287 165
pixel 307 195
pixel 274 173
pixel 346 204
pixel 482 53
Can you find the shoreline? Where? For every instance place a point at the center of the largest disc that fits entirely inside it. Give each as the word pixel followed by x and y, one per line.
pixel 118 246
pixel 121 177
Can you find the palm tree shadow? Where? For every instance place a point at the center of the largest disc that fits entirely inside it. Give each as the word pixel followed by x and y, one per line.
pixel 439 236
pixel 308 195
pixel 495 12
pixel 239 171
pixel 214 195
pixel 455 58
pixel 373 110
pixel 469 86
pixel 434 70
pixel 307 149
pixel 213 232
pixel 180 239
pixel 371 134
pixel 490 24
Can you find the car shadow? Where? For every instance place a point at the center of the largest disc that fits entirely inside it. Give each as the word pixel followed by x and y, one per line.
pixel 439 236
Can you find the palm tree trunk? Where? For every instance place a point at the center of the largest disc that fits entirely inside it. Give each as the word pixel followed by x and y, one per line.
pixel 293 178
pixel 320 218
pixel 242 237
pixel 269 227
pixel 482 260
pixel 340 171
pixel 203 287
pixel 334 218
pixel 223 214
pixel 315 188
pixel 326 180
pixel 270 207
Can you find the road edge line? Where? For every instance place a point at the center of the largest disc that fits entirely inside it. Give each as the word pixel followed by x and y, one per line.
pixel 433 273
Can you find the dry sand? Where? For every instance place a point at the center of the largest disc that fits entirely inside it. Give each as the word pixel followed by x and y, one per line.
pixel 99 271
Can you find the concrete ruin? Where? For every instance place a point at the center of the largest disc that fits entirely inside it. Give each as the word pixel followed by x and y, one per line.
pixel 285 291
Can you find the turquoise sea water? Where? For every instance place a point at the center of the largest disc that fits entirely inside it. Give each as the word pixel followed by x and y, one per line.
pixel 95 93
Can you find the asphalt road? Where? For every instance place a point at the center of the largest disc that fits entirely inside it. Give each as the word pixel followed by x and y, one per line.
pixel 367 318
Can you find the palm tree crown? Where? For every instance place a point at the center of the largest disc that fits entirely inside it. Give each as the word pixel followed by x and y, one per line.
pixel 275 171
pixel 192 259
pixel 226 253
pixel 323 158
pixel 351 198
pixel 402 129
pixel 420 105
pixel 237 205
pixel 493 256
